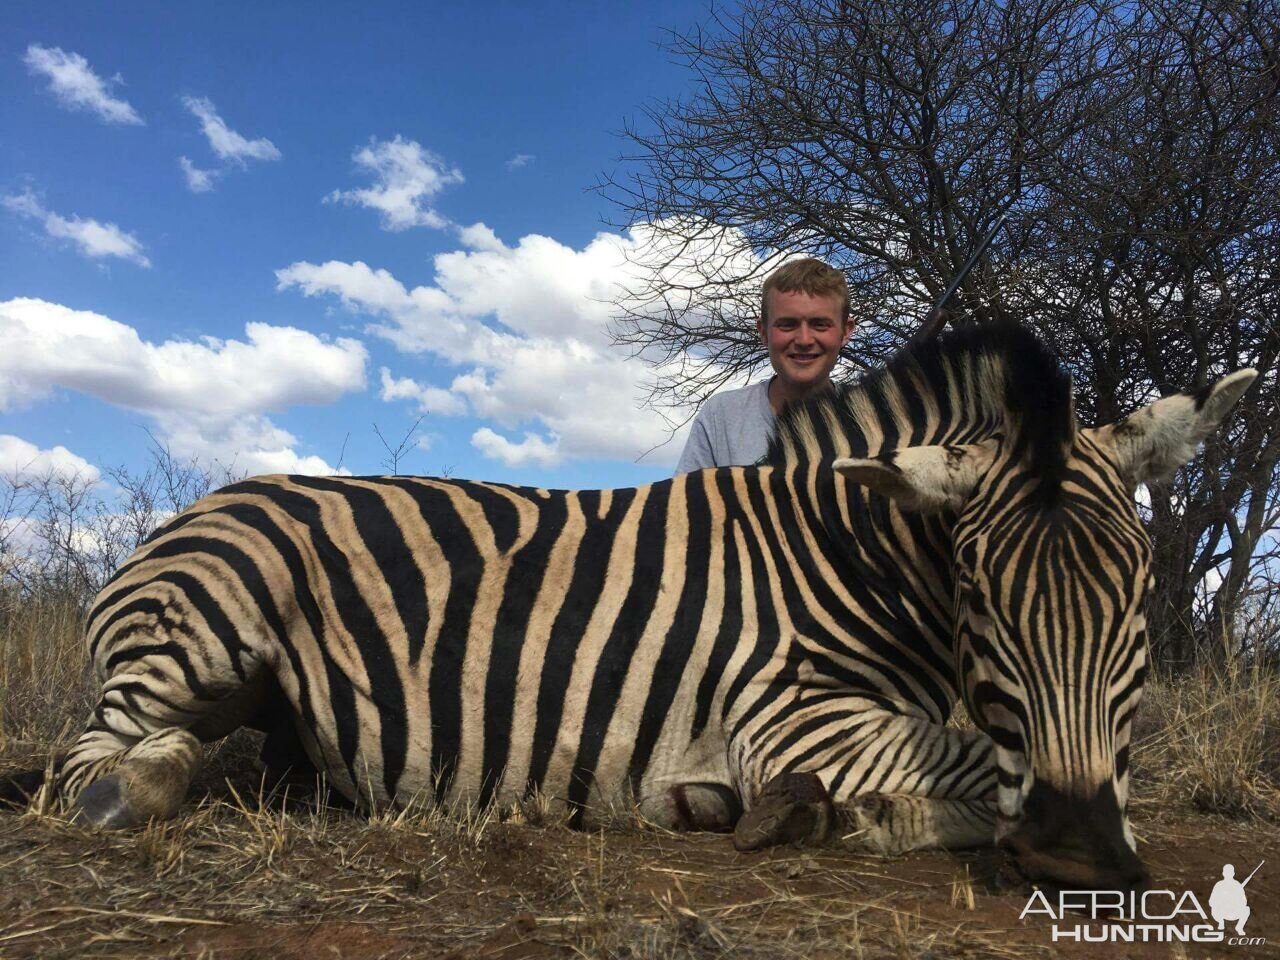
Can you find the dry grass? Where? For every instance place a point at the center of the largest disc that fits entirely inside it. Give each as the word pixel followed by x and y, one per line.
pixel 237 869
pixel 245 874
pixel 1211 740
pixel 45 684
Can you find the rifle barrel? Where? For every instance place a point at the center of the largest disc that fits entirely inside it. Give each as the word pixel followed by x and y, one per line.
pixel 1250 876
pixel 968 264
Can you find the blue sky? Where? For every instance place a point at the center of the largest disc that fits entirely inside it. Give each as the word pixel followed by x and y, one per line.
pixel 254 230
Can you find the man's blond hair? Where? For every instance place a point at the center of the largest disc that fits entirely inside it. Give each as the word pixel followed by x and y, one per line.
pixel 810 276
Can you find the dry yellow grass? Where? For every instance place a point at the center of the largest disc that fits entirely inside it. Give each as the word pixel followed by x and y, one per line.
pixel 46 690
pixel 1211 739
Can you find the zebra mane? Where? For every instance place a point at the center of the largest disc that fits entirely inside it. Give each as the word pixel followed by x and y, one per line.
pixel 965 386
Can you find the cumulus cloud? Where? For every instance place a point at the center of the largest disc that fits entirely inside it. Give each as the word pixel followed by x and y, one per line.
pixel 224 141
pixel 21 460
pixel 430 400
pixel 478 236
pixel 528 327
pixel 417 320
pixel 198 180
pixel 91 237
pixel 249 444
pixel 208 398
pixel 533 449
pixel 520 160
pixel 76 86
pixel 406 177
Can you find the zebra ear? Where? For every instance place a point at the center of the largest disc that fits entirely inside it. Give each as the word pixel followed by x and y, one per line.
pixel 1153 442
pixel 927 479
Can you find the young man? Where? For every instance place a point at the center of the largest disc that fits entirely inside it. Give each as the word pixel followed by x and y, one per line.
pixel 804 322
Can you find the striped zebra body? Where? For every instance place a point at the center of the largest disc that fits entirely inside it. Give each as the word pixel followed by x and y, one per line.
pixel 475 641
pixel 789 637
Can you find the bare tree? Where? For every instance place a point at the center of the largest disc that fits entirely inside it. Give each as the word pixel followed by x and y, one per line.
pixel 396 454
pixel 66 533
pixel 1133 146
pixel 1164 234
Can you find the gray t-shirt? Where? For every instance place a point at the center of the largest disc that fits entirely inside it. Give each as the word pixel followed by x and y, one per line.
pixel 732 429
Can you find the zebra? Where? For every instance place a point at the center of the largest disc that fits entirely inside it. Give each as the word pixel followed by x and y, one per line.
pixel 772 650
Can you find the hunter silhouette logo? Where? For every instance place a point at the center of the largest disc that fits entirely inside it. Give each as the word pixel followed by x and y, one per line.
pixel 1228 900
pixel 1147 916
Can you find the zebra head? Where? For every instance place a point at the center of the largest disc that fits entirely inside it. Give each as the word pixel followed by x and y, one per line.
pixel 1052 565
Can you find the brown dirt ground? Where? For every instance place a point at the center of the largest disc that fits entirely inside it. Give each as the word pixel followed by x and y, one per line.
pixel 235 879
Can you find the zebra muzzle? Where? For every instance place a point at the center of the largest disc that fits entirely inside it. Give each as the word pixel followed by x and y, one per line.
pixel 1075 843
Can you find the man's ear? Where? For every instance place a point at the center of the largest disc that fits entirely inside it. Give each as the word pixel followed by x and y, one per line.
pixel 927 479
pixel 761 324
pixel 1153 442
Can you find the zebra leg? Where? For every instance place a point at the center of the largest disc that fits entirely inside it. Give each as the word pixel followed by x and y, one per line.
pixel 795 808
pixel 146 780
pixel 792 808
pixel 141 751
pixel 703 806
pixel 890 824
pixel 883 783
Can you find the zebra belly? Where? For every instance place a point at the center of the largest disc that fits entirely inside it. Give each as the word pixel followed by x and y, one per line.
pixel 575 765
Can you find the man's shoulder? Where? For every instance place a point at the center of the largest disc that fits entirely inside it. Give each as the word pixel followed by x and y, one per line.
pixel 731 428
pixel 732 400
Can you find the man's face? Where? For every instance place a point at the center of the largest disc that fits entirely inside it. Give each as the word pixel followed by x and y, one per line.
pixel 804 335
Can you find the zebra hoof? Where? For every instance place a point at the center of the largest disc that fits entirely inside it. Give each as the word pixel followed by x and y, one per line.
pixel 105 804
pixel 792 808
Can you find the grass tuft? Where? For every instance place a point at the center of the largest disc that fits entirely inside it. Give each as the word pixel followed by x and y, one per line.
pixel 1211 741
pixel 46 686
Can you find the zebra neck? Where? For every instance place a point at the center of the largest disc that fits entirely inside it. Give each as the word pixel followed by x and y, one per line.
pixel 818 508
pixel 858 569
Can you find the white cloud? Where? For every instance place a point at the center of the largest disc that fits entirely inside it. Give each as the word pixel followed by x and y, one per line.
pixel 76 86
pixel 208 398
pixel 224 141
pixel 520 160
pixel 249 444
pixel 198 181
pixel 92 238
pixel 407 176
pixel 529 327
pixel 478 236
pixel 533 449
pixel 538 288
pixel 430 400
pixel 376 292
pixel 22 460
